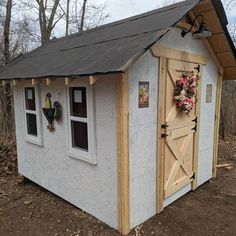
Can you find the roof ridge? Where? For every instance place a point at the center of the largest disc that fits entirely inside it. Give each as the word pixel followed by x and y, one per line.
pixel 114 39
pixel 131 18
pixel 115 23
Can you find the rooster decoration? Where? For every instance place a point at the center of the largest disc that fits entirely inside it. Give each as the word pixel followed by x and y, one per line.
pixel 50 112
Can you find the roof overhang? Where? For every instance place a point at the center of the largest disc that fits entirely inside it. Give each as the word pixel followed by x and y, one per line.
pixel 220 45
pixel 114 47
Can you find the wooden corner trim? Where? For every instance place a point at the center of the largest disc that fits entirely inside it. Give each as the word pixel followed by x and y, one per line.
pixel 171 53
pixel 160 140
pixel 122 131
pixel 196 135
pixel 217 125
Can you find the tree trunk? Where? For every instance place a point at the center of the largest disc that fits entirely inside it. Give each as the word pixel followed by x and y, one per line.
pixel 6 92
pixel 7 24
pixel 46 24
pixel 83 16
pixel 228 109
pixel 67 16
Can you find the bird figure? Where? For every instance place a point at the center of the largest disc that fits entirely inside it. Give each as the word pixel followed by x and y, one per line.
pixel 47 102
pixel 49 111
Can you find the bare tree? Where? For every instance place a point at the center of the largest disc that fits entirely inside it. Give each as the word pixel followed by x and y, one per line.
pixel 7 22
pixel 229 5
pixel 7 121
pixel 47 12
pixel 67 16
pixel 15 38
pixel 86 14
pixel 74 15
pixel 47 24
pixel 232 30
pixel 228 108
pixel 81 28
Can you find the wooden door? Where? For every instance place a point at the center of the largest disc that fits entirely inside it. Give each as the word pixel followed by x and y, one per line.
pixel 178 132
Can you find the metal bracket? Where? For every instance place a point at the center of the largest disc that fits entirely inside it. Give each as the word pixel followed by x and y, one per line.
pixel 197 68
pixel 193 176
pixel 194 128
pixel 164 126
pixel 195 120
pixel 164 135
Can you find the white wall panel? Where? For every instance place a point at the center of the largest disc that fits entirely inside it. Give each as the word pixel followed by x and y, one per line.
pixel 143 125
pixel 92 188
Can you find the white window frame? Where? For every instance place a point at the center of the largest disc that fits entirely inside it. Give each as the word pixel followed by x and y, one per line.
pixel 90 155
pixel 37 140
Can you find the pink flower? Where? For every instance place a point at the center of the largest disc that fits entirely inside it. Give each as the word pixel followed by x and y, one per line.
pixel 183 81
pixel 186 90
pixel 192 90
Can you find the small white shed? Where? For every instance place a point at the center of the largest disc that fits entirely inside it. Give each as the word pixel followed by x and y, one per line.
pixel 136 118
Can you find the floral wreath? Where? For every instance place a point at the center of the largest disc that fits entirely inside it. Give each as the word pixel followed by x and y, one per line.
pixel 186 91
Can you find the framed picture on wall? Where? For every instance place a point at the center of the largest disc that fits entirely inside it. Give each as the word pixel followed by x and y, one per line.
pixel 143 94
pixel 208 93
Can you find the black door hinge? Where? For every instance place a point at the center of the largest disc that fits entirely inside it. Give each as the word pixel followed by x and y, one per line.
pixel 194 128
pixel 164 135
pixel 197 68
pixel 195 120
pixel 164 126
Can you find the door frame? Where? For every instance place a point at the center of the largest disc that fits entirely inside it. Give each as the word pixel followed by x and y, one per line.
pixel 164 54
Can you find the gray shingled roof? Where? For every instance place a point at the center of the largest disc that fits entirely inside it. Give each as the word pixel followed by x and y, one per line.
pixel 106 49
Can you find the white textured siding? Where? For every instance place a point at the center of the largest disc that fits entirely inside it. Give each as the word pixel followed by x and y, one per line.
pixel 92 188
pixel 143 125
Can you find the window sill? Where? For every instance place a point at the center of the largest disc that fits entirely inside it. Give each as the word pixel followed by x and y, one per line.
pixel 82 157
pixel 34 141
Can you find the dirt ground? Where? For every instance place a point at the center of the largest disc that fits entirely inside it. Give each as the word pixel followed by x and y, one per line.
pixel 29 210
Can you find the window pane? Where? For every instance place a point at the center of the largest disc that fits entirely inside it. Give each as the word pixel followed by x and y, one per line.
pixel 78 104
pixel 79 132
pixel 30 99
pixel 31 124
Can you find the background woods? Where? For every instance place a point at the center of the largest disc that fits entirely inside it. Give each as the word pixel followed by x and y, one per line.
pixel 228 109
pixel 26 24
pixel 228 104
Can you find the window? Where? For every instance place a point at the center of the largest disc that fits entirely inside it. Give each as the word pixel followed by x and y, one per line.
pixel 30 108
pixel 79 119
pixel 31 113
pixel 81 122
pixel 31 124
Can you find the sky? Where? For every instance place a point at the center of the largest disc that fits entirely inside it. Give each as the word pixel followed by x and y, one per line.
pixel 120 9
